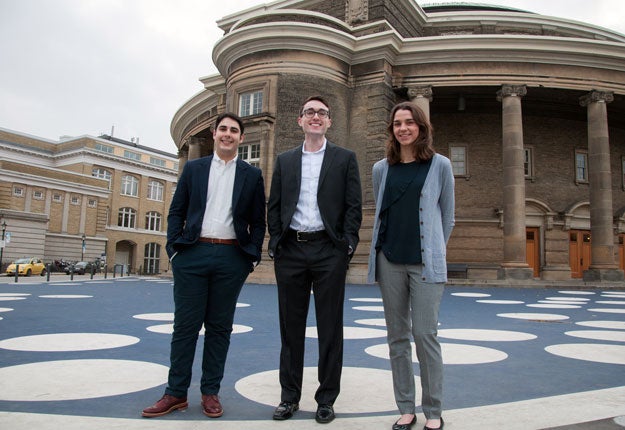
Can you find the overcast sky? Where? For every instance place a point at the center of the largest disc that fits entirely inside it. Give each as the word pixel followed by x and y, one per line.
pixel 76 67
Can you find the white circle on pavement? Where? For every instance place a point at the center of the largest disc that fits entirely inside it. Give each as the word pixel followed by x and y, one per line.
pixel 501 302
pixel 610 302
pixel 372 321
pixel 569 299
pixel 485 335
pixel 78 379
pixel 367 299
pixel 162 316
pixel 579 293
pixel 369 308
pixel 608 310
pixel 534 316
pixel 470 294
pixel 596 352
pixel 11 298
pixel 169 329
pixel 14 294
pixel 6 309
pixel 68 342
pixel 452 353
pixel 616 336
pixel 65 296
pixel 552 306
pixel 357 384
pixel 352 332
pixel 618 325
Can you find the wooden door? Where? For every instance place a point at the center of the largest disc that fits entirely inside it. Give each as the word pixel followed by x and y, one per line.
pixel 532 249
pixel 579 252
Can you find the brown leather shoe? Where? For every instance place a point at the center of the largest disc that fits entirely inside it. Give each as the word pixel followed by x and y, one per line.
pixel 212 406
pixel 165 405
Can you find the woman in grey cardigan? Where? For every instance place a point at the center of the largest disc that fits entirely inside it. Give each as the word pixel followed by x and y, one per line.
pixel 414 192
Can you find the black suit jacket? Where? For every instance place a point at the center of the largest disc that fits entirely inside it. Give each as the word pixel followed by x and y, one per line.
pixel 339 195
pixel 184 222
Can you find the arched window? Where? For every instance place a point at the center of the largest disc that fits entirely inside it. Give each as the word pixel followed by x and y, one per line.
pixel 155 191
pixel 99 172
pixel 153 221
pixel 127 217
pixel 152 258
pixel 130 186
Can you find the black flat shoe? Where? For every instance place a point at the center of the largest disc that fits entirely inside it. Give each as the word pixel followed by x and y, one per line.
pixel 285 410
pixel 405 426
pixel 325 414
pixel 437 428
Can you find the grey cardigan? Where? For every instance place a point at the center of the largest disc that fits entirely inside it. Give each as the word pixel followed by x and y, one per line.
pixel 436 217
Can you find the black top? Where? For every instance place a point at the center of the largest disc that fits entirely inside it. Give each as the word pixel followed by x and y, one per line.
pixel 399 237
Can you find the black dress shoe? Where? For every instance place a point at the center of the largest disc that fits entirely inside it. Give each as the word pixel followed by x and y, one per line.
pixel 405 426
pixel 437 428
pixel 325 414
pixel 285 410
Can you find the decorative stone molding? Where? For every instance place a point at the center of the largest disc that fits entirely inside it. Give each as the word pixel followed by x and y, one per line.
pixel 356 11
pixel 596 97
pixel 425 92
pixel 511 91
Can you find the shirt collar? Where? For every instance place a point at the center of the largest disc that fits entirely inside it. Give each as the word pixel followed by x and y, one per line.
pixel 322 149
pixel 216 159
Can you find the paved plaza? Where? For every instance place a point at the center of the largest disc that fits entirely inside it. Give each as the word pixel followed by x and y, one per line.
pixel 92 353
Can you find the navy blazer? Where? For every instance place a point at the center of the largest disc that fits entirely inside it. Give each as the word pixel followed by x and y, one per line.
pixel 186 212
pixel 339 195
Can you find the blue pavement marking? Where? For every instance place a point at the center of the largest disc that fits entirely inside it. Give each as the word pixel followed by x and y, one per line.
pixel 529 371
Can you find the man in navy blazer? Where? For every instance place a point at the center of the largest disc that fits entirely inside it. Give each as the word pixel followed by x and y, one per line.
pixel 314 214
pixel 216 226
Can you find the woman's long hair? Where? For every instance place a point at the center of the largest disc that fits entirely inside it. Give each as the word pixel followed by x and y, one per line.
pixel 423 147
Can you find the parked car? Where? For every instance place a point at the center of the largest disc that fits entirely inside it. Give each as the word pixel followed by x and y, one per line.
pixel 27 266
pixel 80 268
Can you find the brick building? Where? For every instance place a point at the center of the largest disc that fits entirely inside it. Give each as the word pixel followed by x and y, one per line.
pixel 85 198
pixel 530 109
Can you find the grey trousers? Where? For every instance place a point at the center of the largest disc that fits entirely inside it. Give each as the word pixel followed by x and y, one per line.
pixel 411 307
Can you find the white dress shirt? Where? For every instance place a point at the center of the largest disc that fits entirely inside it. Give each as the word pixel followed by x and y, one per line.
pixel 217 222
pixel 307 216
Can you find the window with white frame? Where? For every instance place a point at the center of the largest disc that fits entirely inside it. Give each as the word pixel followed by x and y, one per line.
pixel 92 203
pixel 56 197
pixel 581 166
pixel 127 217
pixel 130 186
pixel 250 103
pixel 157 162
pixel 104 148
pixel 99 172
pixel 18 191
pixel 458 156
pixel 155 191
pixel 75 200
pixel 132 155
pixel 250 153
pixel 38 195
pixel 528 164
pixel 153 221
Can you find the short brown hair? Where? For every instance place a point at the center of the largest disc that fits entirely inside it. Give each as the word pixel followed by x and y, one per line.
pixel 423 147
pixel 317 98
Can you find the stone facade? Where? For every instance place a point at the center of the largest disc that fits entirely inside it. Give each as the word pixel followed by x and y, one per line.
pixel 531 110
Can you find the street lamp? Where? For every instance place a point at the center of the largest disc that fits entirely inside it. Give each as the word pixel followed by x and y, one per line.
pixel 4 229
pixel 82 253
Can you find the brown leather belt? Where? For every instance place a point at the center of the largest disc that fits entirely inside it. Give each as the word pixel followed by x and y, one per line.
pixel 218 241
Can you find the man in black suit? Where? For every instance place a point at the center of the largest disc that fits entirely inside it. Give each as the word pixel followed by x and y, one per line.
pixel 314 214
pixel 216 227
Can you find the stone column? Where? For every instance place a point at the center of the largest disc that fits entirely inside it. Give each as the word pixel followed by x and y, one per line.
pixel 602 266
pixel 195 148
pixel 422 97
pixel 183 157
pixel 514 265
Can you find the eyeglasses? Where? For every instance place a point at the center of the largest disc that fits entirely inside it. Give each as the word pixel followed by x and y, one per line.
pixel 321 113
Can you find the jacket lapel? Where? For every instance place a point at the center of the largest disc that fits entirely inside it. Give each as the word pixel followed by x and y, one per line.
pixel 328 157
pixel 239 180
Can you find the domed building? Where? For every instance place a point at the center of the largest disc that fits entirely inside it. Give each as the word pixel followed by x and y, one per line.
pixel 529 108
